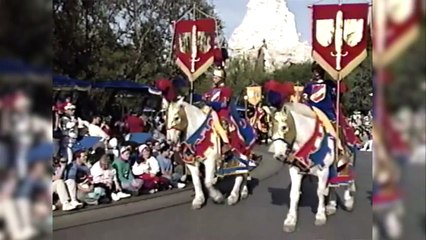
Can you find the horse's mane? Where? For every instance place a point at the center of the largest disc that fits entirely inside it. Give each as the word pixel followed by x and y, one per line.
pixel 301 109
pixel 195 117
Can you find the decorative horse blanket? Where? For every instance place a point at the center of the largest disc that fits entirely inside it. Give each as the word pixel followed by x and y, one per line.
pixel 197 148
pixel 313 152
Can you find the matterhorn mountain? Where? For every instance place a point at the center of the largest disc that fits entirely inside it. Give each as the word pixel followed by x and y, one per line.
pixel 269 25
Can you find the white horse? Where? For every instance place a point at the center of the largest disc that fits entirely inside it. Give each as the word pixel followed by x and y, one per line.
pixel 293 126
pixel 183 120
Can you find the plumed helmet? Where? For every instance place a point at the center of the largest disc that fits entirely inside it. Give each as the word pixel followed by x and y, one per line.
pixel 219 72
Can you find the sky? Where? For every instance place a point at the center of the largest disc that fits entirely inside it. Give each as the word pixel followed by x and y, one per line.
pixel 232 13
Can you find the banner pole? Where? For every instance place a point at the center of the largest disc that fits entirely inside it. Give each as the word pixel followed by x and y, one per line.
pixel 191 81
pixel 338 118
pixel 246 107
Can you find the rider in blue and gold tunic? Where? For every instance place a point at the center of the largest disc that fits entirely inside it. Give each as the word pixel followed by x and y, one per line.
pixel 322 94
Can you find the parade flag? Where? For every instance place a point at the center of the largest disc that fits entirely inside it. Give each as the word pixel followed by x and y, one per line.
pixel 194 46
pixel 254 95
pixel 339 37
pixel 396 25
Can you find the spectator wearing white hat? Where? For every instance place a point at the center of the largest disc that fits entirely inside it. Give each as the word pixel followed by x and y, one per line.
pixel 124 174
pixel 147 168
pixel 69 127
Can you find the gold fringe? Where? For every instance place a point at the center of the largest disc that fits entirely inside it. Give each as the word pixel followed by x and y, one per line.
pixel 193 76
pixel 339 75
pixel 393 51
pixel 184 69
pixel 353 64
pixel 203 68
pixel 329 69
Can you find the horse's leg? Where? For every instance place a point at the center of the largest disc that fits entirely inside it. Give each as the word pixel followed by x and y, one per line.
pixel 375 232
pixel 244 190
pixel 321 217
pixel 331 207
pixel 349 198
pixel 392 225
pixel 210 168
pixel 296 182
pixel 235 193
pixel 199 195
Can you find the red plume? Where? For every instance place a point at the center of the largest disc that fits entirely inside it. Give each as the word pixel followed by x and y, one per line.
pixel 163 84
pixel 287 88
pixel 166 87
pixel 272 85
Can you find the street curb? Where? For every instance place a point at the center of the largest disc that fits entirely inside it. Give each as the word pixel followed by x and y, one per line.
pixel 149 203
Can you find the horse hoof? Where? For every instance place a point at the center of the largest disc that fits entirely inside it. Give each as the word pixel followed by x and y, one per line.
pixel 320 221
pixel 219 200
pixel 289 228
pixel 353 187
pixel 196 206
pixel 329 210
pixel 244 195
pixel 349 205
pixel 232 200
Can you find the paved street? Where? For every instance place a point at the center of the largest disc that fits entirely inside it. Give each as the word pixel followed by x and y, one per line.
pixel 259 217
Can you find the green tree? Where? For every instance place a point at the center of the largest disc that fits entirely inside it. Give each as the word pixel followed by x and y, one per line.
pixel 408 85
pixel 25 31
pixel 117 39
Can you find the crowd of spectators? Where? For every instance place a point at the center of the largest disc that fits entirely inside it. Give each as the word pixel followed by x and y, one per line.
pixel 24 182
pixel 363 129
pixel 115 168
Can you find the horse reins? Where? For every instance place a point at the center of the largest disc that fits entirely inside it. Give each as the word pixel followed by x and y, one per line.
pixel 182 126
pixel 288 138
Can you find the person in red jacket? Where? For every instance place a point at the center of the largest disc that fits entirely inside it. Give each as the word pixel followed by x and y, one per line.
pixel 134 123
pixel 219 97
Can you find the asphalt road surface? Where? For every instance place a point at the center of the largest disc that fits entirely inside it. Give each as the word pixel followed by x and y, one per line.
pixel 261 216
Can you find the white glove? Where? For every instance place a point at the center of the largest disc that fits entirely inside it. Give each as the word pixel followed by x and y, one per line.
pixel 70 125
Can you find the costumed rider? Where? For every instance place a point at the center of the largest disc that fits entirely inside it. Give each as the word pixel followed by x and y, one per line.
pixel 218 98
pixel 321 94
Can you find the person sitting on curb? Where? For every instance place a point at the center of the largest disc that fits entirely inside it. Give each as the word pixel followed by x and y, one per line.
pixel 166 166
pixel 85 189
pixel 58 186
pixel 105 178
pixel 147 168
pixel 70 176
pixel 123 172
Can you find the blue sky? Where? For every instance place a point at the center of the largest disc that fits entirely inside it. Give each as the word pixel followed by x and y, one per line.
pixel 232 13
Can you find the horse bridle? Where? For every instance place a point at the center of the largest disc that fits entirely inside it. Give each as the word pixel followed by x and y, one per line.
pixel 287 138
pixel 182 126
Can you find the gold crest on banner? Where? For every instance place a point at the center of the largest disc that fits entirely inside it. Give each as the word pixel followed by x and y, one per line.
pixel 297 96
pixel 254 95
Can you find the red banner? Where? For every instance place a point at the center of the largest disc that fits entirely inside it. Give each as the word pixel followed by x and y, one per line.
pixel 396 24
pixel 339 37
pixel 194 46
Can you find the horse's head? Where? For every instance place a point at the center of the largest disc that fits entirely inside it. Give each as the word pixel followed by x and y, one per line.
pixel 283 134
pixel 176 120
